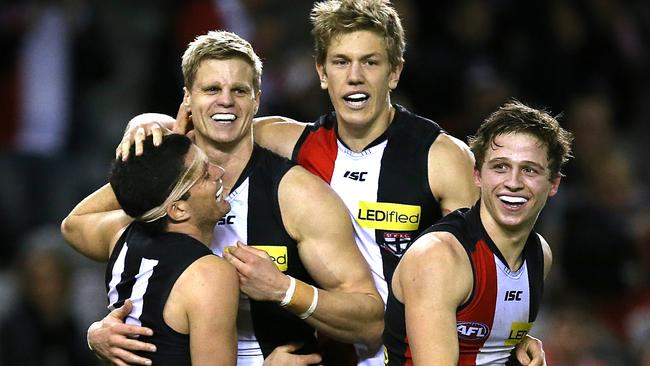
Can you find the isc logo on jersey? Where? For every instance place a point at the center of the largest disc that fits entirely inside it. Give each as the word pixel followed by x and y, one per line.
pixel 388 216
pixel 472 331
pixel 518 330
pixel 277 253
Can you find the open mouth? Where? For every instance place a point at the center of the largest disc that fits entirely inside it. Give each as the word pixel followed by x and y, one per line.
pixel 513 201
pixel 223 117
pixel 219 194
pixel 356 99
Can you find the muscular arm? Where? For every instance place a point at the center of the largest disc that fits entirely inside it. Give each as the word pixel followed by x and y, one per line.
pixel 451 166
pixel 93 226
pixel 210 296
pixel 431 295
pixel 278 134
pixel 349 306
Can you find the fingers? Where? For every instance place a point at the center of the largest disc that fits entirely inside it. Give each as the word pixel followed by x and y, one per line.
pixel 288 348
pixel 183 120
pixel 128 358
pixel 311 358
pixel 251 250
pixel 157 134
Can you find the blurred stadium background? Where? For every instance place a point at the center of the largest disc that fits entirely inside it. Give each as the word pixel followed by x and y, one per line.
pixel 73 72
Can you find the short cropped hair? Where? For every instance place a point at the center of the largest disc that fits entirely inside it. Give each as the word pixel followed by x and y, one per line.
pixel 144 182
pixel 332 18
pixel 219 45
pixel 516 117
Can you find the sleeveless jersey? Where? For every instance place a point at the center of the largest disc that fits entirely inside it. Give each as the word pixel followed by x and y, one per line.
pixel 503 304
pixel 255 219
pixel 144 268
pixel 385 187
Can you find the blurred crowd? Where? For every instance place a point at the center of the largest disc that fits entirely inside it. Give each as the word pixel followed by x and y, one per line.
pixel 73 72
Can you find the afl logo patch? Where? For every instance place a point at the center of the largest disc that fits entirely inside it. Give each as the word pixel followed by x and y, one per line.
pixel 472 331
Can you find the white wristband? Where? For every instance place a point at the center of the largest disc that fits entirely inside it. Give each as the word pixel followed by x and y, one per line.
pixel 289 294
pixel 312 307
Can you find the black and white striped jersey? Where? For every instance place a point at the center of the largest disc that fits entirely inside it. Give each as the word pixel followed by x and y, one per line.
pixel 144 268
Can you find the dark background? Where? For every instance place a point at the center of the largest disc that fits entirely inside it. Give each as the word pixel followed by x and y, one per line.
pixel 72 73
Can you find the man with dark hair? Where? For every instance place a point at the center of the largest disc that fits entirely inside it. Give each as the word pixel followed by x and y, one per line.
pixel 481 297
pixel 153 224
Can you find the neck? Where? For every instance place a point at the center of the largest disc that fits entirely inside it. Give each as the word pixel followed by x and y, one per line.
pixel 358 136
pixel 204 235
pixel 231 157
pixel 510 242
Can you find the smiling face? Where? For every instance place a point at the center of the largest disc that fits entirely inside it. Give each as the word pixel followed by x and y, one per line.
pixel 223 102
pixel 358 77
pixel 206 195
pixel 515 181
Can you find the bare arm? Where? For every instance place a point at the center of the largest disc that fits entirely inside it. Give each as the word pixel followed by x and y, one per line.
pixel 278 134
pixel 451 167
pixel 93 226
pixel 210 294
pixel 349 308
pixel 431 295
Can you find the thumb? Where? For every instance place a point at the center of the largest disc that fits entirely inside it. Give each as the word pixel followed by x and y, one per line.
pixel 522 356
pixel 123 310
pixel 289 347
pixel 183 119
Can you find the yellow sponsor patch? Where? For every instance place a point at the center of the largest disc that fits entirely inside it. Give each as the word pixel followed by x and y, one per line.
pixel 388 216
pixel 277 253
pixel 518 331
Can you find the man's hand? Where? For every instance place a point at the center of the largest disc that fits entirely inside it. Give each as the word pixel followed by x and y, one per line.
pixel 156 124
pixel 529 352
pixel 259 278
pixel 284 356
pixel 137 131
pixel 110 338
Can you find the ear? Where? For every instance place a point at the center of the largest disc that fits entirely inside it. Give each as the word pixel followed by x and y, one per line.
pixel 555 185
pixel 186 97
pixel 179 211
pixel 393 77
pixel 257 101
pixel 322 75
pixel 477 177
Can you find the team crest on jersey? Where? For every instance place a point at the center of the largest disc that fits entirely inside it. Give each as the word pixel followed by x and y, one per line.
pixel 472 331
pixel 396 242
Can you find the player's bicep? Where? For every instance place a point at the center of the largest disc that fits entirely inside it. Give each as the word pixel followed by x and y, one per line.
pixel 94 235
pixel 317 218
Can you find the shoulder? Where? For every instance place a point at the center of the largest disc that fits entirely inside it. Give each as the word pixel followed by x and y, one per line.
pixel 451 168
pixel 439 246
pixel 547 253
pixel 448 147
pixel 300 181
pixel 278 134
pixel 435 263
pixel 302 196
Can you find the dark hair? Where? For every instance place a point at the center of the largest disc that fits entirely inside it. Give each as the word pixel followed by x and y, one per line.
pixel 516 117
pixel 144 182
